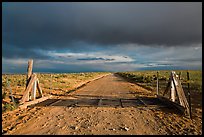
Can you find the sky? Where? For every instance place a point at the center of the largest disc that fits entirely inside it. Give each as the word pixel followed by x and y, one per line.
pixel 97 36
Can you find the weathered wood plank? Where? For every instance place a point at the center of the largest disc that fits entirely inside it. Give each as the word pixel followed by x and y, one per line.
pixel 173 90
pixel 25 105
pixel 39 88
pixel 189 95
pixel 33 93
pixel 178 89
pixel 181 95
pixel 29 70
pixel 28 89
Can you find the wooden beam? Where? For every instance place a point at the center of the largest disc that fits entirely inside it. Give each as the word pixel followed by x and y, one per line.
pixel 39 88
pixel 181 95
pixel 189 95
pixel 176 84
pixel 29 70
pixel 33 102
pixel 173 90
pixel 28 89
pixel 33 93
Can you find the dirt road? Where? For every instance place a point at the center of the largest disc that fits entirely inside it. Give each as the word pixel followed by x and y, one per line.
pixel 107 106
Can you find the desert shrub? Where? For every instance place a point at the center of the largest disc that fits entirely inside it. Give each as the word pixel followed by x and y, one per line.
pixel 4 84
pixel 21 83
pixel 62 82
pixel 163 78
pixel 4 95
pixel 8 107
pixel 139 79
pixel 148 87
pixel 148 79
pixel 63 75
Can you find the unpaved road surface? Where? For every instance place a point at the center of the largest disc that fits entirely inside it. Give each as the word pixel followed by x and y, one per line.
pixel 106 106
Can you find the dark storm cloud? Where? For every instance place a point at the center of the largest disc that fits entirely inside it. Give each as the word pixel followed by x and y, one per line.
pixel 59 25
pixel 17 52
pixel 96 59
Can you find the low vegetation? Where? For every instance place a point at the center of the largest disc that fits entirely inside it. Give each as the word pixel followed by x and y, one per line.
pixel 148 79
pixel 52 84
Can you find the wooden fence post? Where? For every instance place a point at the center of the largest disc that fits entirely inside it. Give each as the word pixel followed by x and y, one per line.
pixel 181 94
pixel 39 88
pixel 176 90
pixel 189 95
pixel 11 94
pixel 173 91
pixel 179 75
pixel 157 83
pixel 29 87
pixel 33 93
pixel 29 70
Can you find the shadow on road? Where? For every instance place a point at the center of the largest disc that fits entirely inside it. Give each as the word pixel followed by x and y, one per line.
pixel 108 101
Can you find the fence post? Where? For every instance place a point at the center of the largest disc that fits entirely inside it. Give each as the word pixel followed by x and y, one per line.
pixel 51 84
pixel 11 94
pixel 39 88
pixel 29 69
pixel 33 93
pixel 28 89
pixel 157 83
pixel 173 91
pixel 189 94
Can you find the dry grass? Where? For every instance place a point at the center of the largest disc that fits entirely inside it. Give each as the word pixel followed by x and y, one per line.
pixel 52 84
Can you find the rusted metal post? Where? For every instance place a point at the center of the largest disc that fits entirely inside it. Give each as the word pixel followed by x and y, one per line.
pixel 189 95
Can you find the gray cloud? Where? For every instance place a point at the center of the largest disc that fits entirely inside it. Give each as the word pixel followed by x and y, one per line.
pixel 135 30
pixel 96 59
pixel 59 25
pixel 18 52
